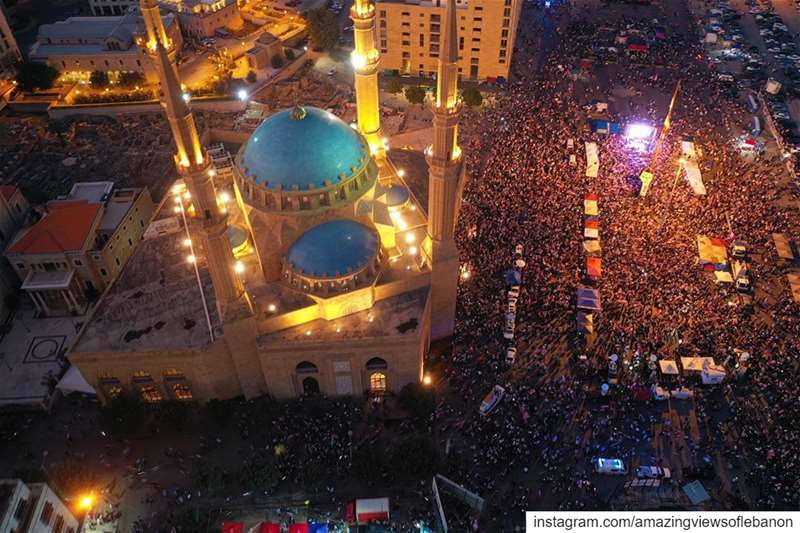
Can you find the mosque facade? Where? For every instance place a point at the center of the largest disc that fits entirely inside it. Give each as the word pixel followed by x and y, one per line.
pixel 312 269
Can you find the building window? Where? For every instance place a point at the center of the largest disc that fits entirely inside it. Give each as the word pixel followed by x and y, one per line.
pixel 117 260
pixel 59 524
pixel 504 34
pixel 377 382
pixel 507 12
pixel 460 43
pixel 47 513
pixel 503 43
pixel 502 53
pixel 21 266
pixel 435 18
pixel 421 39
pixel 477 19
pixel 103 272
pixel 406 43
pixel 130 242
pixel 20 511
pixel 77 262
pixel 506 23
pixel 383 13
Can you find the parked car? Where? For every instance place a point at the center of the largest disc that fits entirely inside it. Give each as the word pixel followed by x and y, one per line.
pixel 491 400
pixel 615 467
pixel 653 472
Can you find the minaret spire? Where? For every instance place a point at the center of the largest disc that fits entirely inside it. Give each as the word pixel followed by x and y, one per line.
pixel 193 164
pixel 445 181
pixel 365 59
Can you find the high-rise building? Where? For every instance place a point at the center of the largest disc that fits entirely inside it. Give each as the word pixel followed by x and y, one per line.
pixel 33 508
pixel 410 36
pixel 9 51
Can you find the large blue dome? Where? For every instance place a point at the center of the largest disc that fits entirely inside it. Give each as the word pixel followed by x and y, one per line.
pixel 303 146
pixel 339 246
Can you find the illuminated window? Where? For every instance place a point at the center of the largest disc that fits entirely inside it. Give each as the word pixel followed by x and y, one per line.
pixel 150 394
pixel 182 391
pixel 377 382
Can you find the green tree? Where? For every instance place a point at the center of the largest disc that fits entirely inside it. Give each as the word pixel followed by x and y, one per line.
pixel 395 86
pixel 472 96
pixel 414 94
pixel 276 61
pixel 251 77
pixel 323 28
pixel 98 79
pixel 32 75
pixel 418 400
pixel 124 415
pixel 131 79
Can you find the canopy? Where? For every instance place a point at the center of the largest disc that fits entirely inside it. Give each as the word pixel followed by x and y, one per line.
pixel 270 527
pixel 783 246
pixel 585 322
pixel 591 229
pixel 372 509
pixel 73 381
pixel 713 375
pixel 588 298
pixel 694 177
pixel 232 527
pixel 794 284
pixel 298 528
pixel 593 266
pixel 592 246
pixel 712 250
pixel 590 204
pixel 592 160
pixel 668 367
pixel 696 364
pixel 513 277
pixel 723 276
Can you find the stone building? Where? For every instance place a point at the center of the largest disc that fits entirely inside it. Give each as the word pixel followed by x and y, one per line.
pixel 313 269
pixel 9 51
pixel 264 49
pixel 33 508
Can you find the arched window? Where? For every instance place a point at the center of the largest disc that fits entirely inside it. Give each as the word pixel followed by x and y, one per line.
pixel 376 363
pixel 310 386
pixel 306 368
pixel 377 382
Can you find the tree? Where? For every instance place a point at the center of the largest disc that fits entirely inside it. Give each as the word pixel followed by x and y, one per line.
pixel 98 79
pixel 32 75
pixel 419 401
pixel 415 94
pixel 131 79
pixel 323 28
pixel 395 86
pixel 472 96
pixel 276 61
pixel 251 77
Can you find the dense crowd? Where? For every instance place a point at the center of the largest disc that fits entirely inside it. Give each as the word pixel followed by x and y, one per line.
pixel 523 189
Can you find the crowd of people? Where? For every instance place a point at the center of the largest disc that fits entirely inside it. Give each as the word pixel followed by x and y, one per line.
pixel 523 189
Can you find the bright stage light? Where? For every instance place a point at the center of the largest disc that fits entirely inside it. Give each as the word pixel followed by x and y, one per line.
pixel 638 130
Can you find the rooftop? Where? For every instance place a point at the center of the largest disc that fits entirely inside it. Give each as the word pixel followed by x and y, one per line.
pixel 155 301
pixel 65 227
pixel 303 147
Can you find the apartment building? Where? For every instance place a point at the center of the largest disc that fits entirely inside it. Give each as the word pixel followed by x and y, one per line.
pixel 79 45
pixel 33 508
pixel 409 36
pixel 79 245
pixel 198 18
pixel 9 51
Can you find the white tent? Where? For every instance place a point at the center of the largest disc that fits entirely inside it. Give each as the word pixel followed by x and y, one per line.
pixel 73 381
pixel 668 367
pixel 696 364
pixel 592 160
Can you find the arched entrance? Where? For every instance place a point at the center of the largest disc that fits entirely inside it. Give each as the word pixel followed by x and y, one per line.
pixel 376 375
pixel 310 386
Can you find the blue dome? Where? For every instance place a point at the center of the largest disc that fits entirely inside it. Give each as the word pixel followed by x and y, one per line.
pixel 397 196
pixel 303 146
pixel 337 246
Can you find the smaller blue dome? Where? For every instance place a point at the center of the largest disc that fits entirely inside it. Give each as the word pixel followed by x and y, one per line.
pixel 397 196
pixel 339 246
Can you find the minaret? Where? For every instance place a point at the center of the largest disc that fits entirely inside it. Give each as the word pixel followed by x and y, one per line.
pixel 193 164
pixel 365 59
pixel 445 181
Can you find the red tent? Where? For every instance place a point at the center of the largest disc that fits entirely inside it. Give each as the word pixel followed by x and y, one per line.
pixel 592 224
pixel 298 528
pixel 270 527
pixel 232 527
pixel 590 196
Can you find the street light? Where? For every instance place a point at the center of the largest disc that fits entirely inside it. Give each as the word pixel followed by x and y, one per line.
pixel 242 94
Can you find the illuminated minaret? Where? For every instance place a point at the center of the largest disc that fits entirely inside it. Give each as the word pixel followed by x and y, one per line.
pixel 193 164
pixel 365 59
pixel 445 181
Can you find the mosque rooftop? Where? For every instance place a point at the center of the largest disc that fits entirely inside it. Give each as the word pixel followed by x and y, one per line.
pixel 333 249
pixel 303 147
pixel 155 301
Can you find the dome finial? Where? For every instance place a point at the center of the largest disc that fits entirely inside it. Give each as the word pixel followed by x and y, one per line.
pixel 298 113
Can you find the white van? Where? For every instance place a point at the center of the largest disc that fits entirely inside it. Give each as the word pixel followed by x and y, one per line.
pixel 613 467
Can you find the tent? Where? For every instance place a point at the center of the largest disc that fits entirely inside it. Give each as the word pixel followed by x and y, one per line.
pixel 591 229
pixel 712 375
pixel 591 246
pixel 73 381
pixel 298 528
pixel 592 160
pixel 668 367
pixel 723 276
pixel 696 492
pixel 372 509
pixel 232 527
pixel 712 250
pixel 588 298
pixel 696 364
pixel 783 246
pixel 693 176
pixel 270 527
pixel 590 204
pixel 585 323
pixel 794 284
pixel 593 266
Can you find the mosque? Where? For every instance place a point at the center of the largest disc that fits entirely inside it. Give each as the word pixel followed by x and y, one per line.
pixel 312 269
